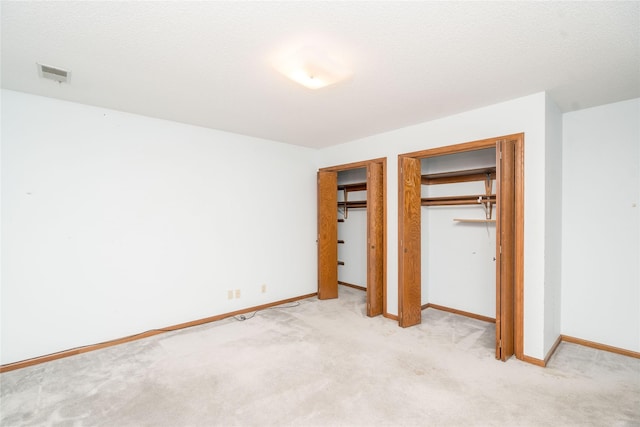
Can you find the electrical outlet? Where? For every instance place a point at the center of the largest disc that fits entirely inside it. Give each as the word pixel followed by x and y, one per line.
pixel 237 293
pixel 229 294
pixel 263 289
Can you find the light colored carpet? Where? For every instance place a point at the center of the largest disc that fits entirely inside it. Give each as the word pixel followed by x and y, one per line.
pixel 323 363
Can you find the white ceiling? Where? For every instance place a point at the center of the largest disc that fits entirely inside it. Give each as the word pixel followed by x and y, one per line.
pixel 208 63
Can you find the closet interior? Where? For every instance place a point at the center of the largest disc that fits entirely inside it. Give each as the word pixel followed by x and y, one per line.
pixel 352 228
pixel 461 229
pixel 458 233
pixel 351 231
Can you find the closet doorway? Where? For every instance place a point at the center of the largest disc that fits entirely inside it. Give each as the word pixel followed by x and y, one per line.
pixel 327 238
pixel 509 213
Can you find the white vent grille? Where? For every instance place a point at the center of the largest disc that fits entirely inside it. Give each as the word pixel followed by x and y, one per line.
pixel 53 73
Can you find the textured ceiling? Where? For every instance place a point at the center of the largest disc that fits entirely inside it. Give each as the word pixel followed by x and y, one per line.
pixel 209 63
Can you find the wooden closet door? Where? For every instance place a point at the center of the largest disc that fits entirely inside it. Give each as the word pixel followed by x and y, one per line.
pixel 505 248
pixel 409 211
pixel 375 239
pixel 327 235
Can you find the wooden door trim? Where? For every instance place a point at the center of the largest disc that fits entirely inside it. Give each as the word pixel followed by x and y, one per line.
pixel 519 249
pixel 498 256
pixel 461 148
pixel 355 165
pixel 519 217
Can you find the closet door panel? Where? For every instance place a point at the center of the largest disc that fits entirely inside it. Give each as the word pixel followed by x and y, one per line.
pixel 409 210
pixel 327 235
pixel 505 245
pixel 375 239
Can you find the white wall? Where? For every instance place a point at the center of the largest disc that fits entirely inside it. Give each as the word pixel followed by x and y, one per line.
pixel 526 114
pixel 458 259
pixel 553 224
pixel 113 224
pixel 601 225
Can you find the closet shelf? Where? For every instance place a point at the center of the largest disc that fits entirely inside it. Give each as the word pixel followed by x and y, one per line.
pixel 346 204
pixel 474 220
pixel 359 186
pixel 487 174
pixel 468 175
pixel 458 200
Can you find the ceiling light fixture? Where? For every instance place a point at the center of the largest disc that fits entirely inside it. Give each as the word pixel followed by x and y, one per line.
pixel 312 67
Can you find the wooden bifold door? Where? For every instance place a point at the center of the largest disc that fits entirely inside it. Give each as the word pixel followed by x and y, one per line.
pixel 327 235
pixel 505 249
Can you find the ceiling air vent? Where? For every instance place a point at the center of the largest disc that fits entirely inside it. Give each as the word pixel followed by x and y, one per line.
pixel 53 73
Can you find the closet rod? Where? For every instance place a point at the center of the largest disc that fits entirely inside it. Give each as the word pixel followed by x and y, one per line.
pixel 457 200
pixel 353 204
pixel 458 176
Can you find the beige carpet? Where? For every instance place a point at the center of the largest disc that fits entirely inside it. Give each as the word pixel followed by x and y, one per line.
pixel 323 363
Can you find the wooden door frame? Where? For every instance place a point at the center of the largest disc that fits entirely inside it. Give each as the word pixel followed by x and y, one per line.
pixel 519 222
pixel 359 165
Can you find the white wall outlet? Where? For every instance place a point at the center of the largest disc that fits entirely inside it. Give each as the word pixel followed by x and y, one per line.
pixel 237 293
pixel 263 288
pixel 229 294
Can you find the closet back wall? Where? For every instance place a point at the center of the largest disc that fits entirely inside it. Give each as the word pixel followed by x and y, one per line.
pixel 354 232
pixel 458 259
pixel 113 224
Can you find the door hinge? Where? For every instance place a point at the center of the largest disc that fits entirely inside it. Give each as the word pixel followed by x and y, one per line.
pixel 500 344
